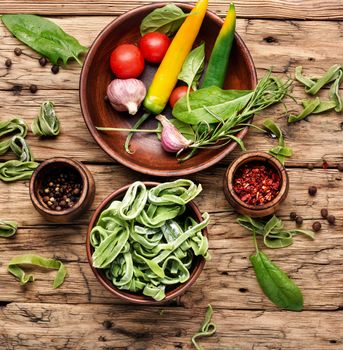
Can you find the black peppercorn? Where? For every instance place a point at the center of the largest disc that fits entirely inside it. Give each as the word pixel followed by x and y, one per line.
pixel 340 167
pixel 299 220
pixel 55 68
pixel 17 51
pixel 324 213
pixel 106 98
pixel 331 219
pixel 107 324
pixel 316 226
pixel 33 88
pixel 312 190
pixel 8 63
pixel 293 215
pixel 310 166
pixel 43 61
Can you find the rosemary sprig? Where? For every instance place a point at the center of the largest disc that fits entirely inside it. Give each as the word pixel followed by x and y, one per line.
pixel 269 90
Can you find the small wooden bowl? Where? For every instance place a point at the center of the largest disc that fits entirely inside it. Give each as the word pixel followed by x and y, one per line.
pixel 198 261
pixel 253 210
pixel 61 165
pixel 96 75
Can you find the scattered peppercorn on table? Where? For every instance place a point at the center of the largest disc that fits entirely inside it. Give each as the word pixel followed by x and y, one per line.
pixel 81 314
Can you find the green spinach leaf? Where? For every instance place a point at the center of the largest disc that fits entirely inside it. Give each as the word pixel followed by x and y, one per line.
pixel 222 102
pixel 44 36
pixel 276 285
pixel 166 19
pixel 193 67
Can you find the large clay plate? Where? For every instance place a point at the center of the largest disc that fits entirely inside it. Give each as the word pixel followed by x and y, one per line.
pixel 148 156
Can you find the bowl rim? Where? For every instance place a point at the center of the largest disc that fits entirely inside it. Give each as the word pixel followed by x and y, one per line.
pixel 129 296
pixel 98 137
pixel 78 166
pixel 251 157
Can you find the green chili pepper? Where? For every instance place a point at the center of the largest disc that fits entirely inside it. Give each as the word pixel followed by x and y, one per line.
pixel 36 260
pixel 8 228
pixel 219 59
pixel 276 285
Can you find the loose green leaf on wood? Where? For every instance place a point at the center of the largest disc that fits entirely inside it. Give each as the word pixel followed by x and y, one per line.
pixel 276 285
pixel 44 36
pixel 166 19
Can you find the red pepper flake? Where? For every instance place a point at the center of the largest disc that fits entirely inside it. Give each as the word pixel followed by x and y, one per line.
pixel 256 183
pixel 325 165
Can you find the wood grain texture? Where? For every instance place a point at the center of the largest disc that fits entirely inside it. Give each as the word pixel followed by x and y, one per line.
pixel 117 327
pixel 280 44
pixel 305 9
pixel 82 314
pixel 315 265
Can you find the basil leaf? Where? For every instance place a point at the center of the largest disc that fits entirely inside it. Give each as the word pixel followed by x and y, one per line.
pixel 222 102
pixel 193 67
pixel 44 36
pixel 166 19
pixel 276 285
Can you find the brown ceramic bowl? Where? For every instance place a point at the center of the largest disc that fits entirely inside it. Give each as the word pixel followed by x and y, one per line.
pixel 51 166
pixel 253 210
pixel 174 291
pixel 96 75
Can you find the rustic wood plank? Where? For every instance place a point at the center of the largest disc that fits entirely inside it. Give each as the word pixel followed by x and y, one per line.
pixel 315 265
pixel 74 132
pixel 281 45
pixel 305 138
pixel 32 326
pixel 306 9
pixel 17 205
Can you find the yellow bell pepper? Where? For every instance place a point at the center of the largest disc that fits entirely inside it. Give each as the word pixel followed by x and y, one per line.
pixel 166 75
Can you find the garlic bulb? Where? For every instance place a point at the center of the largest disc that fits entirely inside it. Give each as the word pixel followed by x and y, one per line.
pixel 171 138
pixel 126 94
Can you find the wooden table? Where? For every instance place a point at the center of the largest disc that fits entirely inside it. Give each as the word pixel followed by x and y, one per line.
pixel 82 314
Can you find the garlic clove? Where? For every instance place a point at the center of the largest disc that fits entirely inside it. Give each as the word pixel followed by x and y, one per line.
pixel 171 138
pixel 126 94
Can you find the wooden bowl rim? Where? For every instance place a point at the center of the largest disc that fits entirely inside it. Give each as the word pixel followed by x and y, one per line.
pixel 251 157
pixel 140 298
pixel 86 113
pixel 76 165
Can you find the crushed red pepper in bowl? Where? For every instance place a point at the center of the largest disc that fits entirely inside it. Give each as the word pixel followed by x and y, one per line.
pixel 256 183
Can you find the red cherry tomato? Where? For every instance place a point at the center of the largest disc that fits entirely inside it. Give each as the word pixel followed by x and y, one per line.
pixel 177 93
pixel 154 46
pixel 127 61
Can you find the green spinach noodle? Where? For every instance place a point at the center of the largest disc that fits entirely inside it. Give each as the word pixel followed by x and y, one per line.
pixel 147 241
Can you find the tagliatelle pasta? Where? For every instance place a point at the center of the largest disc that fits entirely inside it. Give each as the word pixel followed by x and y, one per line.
pixel 146 242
